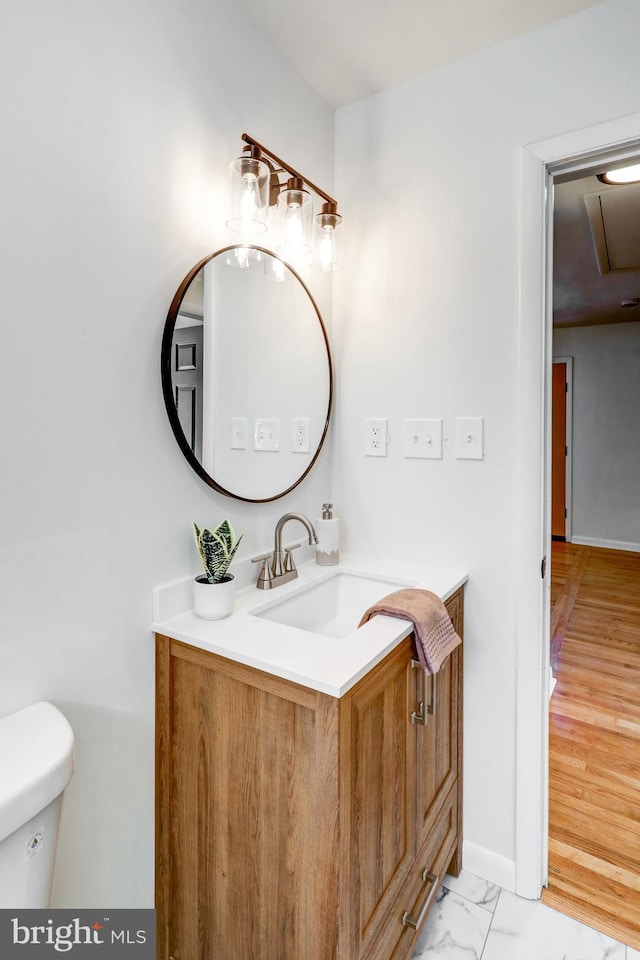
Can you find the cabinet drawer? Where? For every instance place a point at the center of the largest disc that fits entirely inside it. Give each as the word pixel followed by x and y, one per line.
pixel 411 908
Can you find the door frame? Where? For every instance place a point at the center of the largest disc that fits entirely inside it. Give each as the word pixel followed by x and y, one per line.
pixel 569 153
pixel 568 463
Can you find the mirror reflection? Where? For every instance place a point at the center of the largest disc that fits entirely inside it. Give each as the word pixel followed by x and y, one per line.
pixel 246 371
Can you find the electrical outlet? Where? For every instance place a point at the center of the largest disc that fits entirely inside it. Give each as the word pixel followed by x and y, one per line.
pixel 266 435
pixel 376 439
pixel 300 435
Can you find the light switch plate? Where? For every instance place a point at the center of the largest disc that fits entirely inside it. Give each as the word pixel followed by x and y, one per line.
pixel 469 438
pixel 266 435
pixel 422 439
pixel 239 430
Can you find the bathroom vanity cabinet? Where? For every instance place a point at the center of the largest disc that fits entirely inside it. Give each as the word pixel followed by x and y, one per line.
pixel 293 825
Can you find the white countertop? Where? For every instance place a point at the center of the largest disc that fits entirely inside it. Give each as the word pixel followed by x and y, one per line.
pixel 331 665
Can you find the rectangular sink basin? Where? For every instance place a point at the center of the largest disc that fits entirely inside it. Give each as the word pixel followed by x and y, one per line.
pixel 331 607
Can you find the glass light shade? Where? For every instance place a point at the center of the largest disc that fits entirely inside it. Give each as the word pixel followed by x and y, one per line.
pixel 294 215
pixel 325 255
pixel 629 174
pixel 249 195
pixel 275 269
pixel 243 257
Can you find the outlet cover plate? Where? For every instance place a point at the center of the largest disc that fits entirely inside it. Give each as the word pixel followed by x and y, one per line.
pixel 422 439
pixel 300 435
pixel 375 435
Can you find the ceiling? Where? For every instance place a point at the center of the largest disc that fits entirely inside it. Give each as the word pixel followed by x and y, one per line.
pixel 596 256
pixel 348 49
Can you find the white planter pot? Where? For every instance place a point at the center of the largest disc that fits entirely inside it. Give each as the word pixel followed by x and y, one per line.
pixel 213 601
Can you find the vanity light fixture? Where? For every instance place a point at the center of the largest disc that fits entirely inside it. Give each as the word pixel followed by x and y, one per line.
pixel 256 185
pixel 630 174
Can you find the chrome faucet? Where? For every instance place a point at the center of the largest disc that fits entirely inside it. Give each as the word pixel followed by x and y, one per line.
pixel 278 567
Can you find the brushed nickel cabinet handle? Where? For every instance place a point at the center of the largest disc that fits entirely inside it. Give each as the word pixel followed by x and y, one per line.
pixel 431 709
pixel 416 922
pixel 418 716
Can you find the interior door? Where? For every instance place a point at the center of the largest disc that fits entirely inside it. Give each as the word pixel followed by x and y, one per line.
pixel 187 382
pixel 559 450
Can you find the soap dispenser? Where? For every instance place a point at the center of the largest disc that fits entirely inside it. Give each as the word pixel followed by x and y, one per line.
pixel 328 530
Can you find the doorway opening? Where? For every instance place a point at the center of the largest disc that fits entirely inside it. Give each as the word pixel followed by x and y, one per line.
pixel 542 164
pixel 594 722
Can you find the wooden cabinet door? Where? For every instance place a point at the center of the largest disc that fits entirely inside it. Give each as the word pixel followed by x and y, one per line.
pixel 409 913
pixel 250 813
pixel 438 738
pixel 378 751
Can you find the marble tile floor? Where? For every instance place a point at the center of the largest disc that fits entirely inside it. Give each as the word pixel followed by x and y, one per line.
pixel 475 920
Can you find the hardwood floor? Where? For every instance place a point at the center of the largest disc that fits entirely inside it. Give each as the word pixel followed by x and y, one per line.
pixel 594 772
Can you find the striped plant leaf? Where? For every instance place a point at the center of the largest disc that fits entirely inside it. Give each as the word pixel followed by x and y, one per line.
pixel 217 549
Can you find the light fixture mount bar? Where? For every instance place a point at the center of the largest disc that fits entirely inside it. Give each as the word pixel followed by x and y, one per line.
pixel 285 166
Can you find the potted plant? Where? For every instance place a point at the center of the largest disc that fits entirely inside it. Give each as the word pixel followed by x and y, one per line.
pixel 213 590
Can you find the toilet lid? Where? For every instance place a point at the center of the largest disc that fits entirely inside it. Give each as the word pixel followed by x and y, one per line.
pixel 36 762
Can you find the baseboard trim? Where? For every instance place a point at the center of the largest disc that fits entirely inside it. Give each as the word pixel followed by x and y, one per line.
pixel 607 544
pixel 489 866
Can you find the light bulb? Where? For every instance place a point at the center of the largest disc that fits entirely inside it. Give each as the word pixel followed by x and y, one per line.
pixel 325 256
pixel 294 226
pixel 249 195
pixel 249 202
pixel 325 249
pixel 294 219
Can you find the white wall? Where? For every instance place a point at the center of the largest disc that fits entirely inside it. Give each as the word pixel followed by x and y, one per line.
pixel 119 118
pixel 426 323
pixel 606 431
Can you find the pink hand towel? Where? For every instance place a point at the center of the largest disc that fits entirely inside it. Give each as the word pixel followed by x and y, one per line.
pixel 435 636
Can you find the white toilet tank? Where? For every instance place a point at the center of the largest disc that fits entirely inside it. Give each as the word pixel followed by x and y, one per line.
pixel 36 764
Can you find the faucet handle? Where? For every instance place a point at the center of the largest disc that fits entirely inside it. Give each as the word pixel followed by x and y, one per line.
pixel 265 577
pixel 288 559
pixel 263 556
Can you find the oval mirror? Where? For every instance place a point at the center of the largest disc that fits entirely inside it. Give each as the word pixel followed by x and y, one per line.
pixel 246 373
